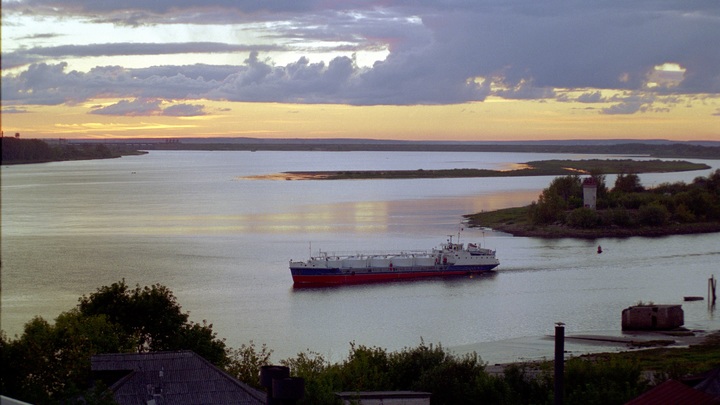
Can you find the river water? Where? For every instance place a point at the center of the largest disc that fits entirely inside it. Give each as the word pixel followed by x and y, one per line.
pixel 221 242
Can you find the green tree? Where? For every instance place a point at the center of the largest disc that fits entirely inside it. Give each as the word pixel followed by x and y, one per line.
pixel 51 363
pixel 628 183
pixel 366 369
pixel 410 363
pixel 245 363
pixel 322 379
pixel 566 187
pixel 548 209
pixel 152 317
pixel 583 217
pixel 603 197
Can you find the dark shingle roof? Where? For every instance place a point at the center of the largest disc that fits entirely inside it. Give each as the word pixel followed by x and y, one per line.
pixel 180 377
pixel 675 393
pixel 710 384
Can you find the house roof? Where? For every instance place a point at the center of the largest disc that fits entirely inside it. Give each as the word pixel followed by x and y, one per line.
pixel 710 382
pixel 180 377
pixel 388 395
pixel 676 393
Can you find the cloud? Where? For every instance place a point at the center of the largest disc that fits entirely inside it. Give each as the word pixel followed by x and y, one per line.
pixel 436 50
pixel 632 103
pixel 14 110
pixel 148 107
pixel 27 56
pixel 138 107
pixel 184 110
pixel 627 107
pixel 591 97
pixel 340 81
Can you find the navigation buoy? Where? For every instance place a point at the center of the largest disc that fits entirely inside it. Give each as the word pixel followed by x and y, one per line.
pixel 599 249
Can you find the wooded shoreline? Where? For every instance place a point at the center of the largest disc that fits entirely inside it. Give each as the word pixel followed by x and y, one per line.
pixel 563 210
pixel 533 168
pixel 514 221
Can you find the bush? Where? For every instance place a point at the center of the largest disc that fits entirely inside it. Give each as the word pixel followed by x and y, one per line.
pixel 653 215
pixel 602 382
pixel 683 214
pixel 619 217
pixel 633 201
pixel 584 217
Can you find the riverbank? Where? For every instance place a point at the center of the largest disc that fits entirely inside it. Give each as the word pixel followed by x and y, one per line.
pixel 536 349
pixel 533 168
pixel 16 151
pixel 515 221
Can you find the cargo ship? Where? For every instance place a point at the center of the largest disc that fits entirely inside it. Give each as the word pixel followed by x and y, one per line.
pixel 449 259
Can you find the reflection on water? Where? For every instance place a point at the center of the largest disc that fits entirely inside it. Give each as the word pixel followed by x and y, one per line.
pixel 222 245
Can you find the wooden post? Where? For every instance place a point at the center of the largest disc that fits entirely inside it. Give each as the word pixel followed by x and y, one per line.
pixel 559 363
pixel 712 284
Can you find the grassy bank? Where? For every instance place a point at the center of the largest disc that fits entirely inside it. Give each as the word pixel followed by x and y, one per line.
pixel 534 168
pixel 516 221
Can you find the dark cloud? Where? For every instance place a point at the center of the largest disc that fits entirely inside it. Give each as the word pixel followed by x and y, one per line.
pixel 631 103
pixel 134 108
pixel 149 107
pixel 340 81
pixel 520 50
pixel 592 97
pixel 95 7
pixel 26 56
pixel 184 110
pixel 116 49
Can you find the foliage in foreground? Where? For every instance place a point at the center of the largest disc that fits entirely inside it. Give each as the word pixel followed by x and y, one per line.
pixel 50 363
pixel 456 379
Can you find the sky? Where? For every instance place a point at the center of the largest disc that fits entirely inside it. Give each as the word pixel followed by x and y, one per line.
pixel 469 70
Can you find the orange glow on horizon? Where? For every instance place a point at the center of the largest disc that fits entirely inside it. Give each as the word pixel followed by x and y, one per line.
pixel 492 120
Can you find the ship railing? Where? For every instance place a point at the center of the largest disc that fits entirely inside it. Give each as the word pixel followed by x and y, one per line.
pixel 371 254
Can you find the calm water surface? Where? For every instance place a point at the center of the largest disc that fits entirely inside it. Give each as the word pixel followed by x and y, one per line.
pixel 221 243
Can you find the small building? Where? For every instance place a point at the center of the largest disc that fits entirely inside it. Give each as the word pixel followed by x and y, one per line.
pixel 652 317
pixel 180 377
pixel 384 397
pixel 589 186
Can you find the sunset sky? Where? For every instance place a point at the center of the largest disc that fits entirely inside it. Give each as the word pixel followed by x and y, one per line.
pixel 427 70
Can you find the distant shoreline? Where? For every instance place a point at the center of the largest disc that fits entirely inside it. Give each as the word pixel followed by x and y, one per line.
pixel 534 168
pixel 658 149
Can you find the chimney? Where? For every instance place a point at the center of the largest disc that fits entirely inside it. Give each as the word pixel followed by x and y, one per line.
pixel 280 387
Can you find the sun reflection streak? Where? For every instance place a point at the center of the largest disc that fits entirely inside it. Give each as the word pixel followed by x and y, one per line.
pixel 352 217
